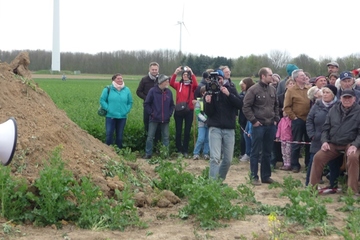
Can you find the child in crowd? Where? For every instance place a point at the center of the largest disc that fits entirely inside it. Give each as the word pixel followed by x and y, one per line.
pixel 203 133
pixel 284 135
pixel 247 137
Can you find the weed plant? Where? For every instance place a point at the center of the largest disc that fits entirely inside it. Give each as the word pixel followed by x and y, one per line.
pixel 305 206
pixel 210 201
pixel 13 192
pixel 172 176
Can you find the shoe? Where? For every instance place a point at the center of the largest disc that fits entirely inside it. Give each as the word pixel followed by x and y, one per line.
pixel 296 169
pixel 256 182
pixel 245 158
pixel 329 190
pixel 206 157
pixel 185 155
pixel 285 168
pixel 146 157
pixel 196 157
pixel 268 181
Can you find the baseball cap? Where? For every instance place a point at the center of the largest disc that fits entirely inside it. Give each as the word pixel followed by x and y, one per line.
pixel 345 75
pixel 335 64
pixel 348 92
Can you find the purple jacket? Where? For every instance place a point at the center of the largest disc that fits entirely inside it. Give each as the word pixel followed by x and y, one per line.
pixel 159 104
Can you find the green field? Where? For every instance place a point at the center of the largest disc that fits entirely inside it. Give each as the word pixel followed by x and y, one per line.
pixel 79 98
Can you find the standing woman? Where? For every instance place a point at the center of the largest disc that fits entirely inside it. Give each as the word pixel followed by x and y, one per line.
pixel 245 84
pixel 118 103
pixel 185 89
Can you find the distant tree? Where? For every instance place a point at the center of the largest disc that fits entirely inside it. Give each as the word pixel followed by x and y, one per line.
pixel 279 60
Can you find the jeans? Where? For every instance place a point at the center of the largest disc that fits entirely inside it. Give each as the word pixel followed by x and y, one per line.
pixel 247 144
pixel 221 141
pixel 183 147
pixel 151 134
pixel 202 141
pixel 298 130
pixel 262 141
pixel 146 119
pixel 117 125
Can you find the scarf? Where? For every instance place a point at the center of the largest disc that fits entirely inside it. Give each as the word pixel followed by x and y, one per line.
pixel 117 86
pixel 329 104
pixel 152 77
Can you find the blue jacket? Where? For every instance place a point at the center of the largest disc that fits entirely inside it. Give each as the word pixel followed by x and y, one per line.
pixel 117 103
pixel 159 104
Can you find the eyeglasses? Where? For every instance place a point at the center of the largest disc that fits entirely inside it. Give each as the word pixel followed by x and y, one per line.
pixel 227 72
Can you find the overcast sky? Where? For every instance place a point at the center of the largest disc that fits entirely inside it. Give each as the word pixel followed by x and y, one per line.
pixel 229 28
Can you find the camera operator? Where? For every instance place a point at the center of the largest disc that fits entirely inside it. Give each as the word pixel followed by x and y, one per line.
pixel 222 103
pixel 261 109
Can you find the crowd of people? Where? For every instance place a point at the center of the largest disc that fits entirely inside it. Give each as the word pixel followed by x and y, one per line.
pixel 281 120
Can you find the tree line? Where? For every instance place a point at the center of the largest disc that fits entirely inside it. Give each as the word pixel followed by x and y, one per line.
pixel 137 62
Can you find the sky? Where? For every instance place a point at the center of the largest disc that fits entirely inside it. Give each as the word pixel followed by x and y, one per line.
pixel 227 28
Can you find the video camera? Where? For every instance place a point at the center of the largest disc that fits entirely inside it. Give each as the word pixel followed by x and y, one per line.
pixel 213 85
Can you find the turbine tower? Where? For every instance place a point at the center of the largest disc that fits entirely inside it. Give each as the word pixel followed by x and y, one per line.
pixel 181 23
pixel 55 63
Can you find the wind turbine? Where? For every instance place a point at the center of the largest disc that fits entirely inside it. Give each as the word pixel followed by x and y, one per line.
pixel 55 63
pixel 181 24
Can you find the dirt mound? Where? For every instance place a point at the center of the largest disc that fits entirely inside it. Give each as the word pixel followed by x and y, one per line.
pixel 42 127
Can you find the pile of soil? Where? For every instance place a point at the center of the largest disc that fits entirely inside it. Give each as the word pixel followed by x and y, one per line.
pixel 42 127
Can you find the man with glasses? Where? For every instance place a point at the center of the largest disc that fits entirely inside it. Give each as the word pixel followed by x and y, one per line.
pixel 297 107
pixel 340 132
pixel 261 109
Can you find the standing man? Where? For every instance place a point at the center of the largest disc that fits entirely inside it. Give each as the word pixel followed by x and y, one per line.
pixel 261 109
pixel 159 105
pixel 297 107
pixel 146 83
pixel 221 107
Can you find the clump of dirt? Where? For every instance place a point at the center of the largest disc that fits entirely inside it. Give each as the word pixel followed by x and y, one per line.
pixel 42 127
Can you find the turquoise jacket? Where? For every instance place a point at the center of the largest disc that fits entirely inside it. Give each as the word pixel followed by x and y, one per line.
pixel 117 103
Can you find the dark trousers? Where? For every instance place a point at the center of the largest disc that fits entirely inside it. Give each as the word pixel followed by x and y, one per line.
pixel 298 130
pixel 183 146
pixel 262 141
pixel 146 118
pixel 242 140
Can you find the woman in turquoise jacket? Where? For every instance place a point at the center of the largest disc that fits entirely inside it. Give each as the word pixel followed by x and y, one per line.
pixel 117 100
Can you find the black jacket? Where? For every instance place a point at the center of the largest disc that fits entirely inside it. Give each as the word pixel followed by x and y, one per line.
pixel 223 109
pixel 341 129
pixel 144 87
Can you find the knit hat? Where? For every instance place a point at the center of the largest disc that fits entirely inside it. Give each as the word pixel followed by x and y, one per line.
pixel 221 73
pixel 162 78
pixel 332 88
pixel 290 68
pixel 319 77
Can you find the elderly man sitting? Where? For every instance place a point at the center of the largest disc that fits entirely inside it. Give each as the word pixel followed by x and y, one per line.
pixel 341 132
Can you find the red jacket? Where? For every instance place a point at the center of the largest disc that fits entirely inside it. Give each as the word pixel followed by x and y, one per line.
pixel 182 90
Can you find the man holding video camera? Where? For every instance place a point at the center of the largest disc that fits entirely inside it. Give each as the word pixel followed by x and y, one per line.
pixel 222 103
